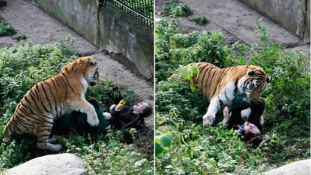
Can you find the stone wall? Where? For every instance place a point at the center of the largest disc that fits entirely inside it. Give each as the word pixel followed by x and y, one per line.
pixel 293 15
pixel 108 28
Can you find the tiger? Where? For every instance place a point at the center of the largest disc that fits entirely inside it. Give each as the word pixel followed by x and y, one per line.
pixel 50 99
pixel 220 86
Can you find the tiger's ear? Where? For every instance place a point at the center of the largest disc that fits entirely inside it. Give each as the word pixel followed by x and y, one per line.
pixel 269 79
pixel 250 72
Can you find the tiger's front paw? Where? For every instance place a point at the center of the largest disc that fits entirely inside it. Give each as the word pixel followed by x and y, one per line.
pixel 207 120
pixel 93 121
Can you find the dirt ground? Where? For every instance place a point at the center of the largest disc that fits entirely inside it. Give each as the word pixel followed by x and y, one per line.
pixel 29 20
pixel 234 19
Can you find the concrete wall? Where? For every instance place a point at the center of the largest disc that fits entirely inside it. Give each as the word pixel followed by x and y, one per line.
pixel 124 34
pixel 108 28
pixel 293 15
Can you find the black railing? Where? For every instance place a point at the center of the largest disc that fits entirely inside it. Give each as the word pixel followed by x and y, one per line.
pixel 140 9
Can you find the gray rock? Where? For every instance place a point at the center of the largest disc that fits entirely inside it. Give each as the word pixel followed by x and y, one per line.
pixel 67 164
pixel 296 168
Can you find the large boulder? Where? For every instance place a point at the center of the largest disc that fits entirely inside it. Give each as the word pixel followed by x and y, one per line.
pixel 66 163
pixel 296 168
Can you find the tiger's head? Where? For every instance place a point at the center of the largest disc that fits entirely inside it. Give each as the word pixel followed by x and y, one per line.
pixel 253 83
pixel 84 67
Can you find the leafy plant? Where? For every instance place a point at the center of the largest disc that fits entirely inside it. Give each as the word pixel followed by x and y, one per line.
pixel 177 10
pixel 19 37
pixel 161 142
pixel 6 30
pixel 199 19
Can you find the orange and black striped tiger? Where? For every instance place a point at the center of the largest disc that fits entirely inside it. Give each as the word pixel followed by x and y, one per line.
pixel 51 98
pixel 220 86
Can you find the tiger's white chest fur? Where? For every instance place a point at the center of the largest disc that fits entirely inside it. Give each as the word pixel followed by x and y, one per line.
pixel 85 86
pixel 227 94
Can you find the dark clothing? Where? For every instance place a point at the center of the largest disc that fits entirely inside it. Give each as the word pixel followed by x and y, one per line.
pixel 76 122
pixel 125 118
pixel 257 108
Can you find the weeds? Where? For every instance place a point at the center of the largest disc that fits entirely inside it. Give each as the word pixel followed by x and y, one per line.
pixel 177 10
pixel 199 19
pixel 6 30
pixel 19 37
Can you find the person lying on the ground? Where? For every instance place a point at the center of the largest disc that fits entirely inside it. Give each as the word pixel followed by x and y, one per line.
pixel 122 116
pixel 246 119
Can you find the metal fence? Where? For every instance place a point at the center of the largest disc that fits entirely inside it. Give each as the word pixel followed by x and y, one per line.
pixel 140 9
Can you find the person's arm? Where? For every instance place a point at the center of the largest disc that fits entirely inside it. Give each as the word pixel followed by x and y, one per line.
pixel 118 115
pixel 111 109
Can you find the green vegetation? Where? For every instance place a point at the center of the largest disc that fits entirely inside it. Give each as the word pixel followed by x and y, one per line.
pixel 199 19
pixel 177 10
pixel 19 37
pixel 6 30
pixel 184 146
pixel 22 66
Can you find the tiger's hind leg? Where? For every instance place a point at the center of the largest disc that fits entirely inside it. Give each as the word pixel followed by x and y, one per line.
pixel 52 139
pixel 44 143
pixel 43 132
